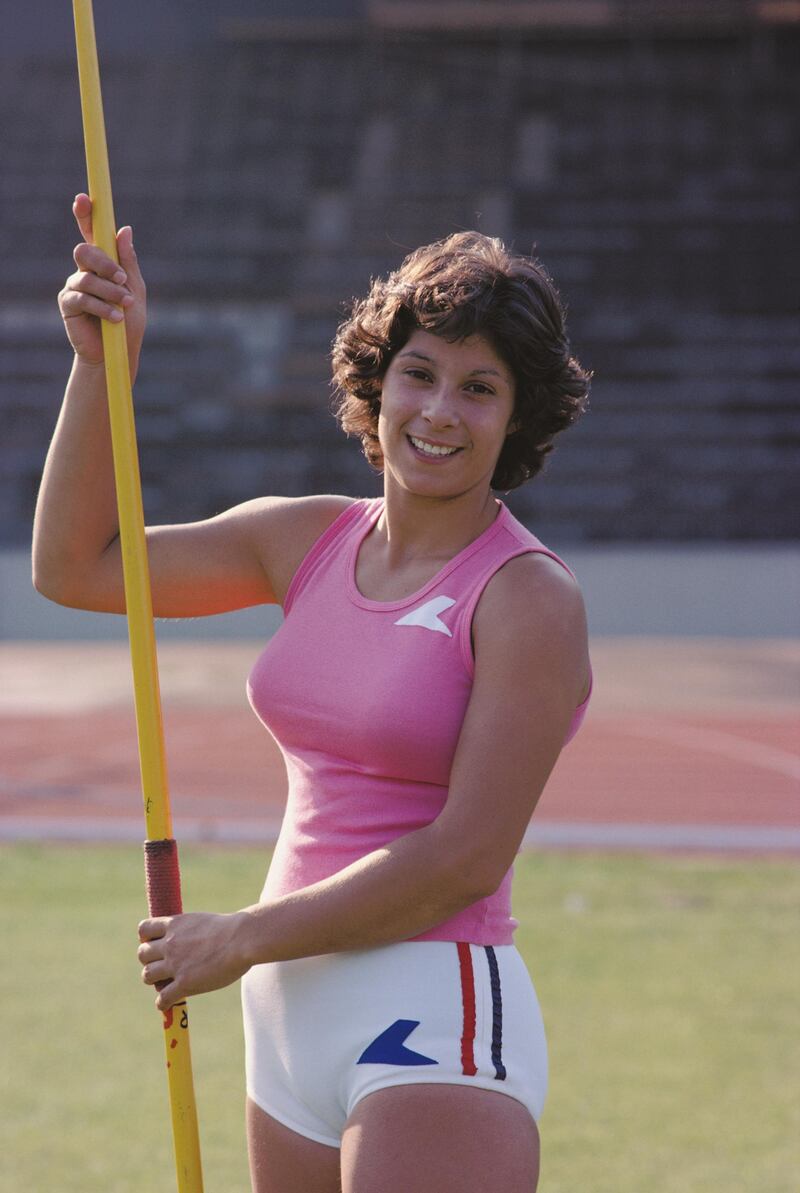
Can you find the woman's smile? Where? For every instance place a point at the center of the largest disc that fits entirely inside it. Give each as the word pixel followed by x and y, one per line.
pixel 431 450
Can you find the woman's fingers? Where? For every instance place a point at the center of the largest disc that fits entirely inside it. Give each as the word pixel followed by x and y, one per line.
pixel 130 263
pixel 153 929
pixel 156 971
pixel 75 303
pixel 168 995
pixel 84 294
pixel 91 259
pixel 150 951
pixel 90 283
pixel 103 288
pixel 82 210
pixel 89 256
pixel 191 954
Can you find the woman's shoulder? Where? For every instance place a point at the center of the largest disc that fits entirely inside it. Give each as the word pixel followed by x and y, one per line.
pixel 288 527
pixel 529 582
pixel 537 601
pixel 316 510
pixel 300 520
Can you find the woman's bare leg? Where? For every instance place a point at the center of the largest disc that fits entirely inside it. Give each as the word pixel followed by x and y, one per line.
pixel 281 1161
pixel 439 1139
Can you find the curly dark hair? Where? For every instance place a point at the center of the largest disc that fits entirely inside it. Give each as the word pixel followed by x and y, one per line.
pixel 468 284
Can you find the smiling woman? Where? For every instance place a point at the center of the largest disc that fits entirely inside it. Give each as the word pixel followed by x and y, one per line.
pixel 456 288
pixel 431 665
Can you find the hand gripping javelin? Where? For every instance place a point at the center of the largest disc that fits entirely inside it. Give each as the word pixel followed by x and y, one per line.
pixel 161 856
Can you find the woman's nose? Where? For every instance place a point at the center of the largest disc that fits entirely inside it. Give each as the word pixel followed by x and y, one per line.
pixel 439 409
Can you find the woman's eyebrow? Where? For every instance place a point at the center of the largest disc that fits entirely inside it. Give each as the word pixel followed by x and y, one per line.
pixel 431 361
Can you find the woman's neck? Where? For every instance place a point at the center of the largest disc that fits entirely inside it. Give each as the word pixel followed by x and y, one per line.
pixel 412 527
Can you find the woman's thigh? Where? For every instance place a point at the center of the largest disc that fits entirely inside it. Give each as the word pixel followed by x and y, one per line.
pixel 439 1139
pixel 281 1161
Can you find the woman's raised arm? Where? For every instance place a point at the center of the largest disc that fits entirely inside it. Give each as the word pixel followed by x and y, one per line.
pixel 244 556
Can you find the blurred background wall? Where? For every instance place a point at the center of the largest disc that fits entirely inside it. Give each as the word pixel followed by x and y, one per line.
pixel 272 158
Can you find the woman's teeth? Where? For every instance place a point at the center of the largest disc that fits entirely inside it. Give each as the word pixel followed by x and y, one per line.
pixel 430 449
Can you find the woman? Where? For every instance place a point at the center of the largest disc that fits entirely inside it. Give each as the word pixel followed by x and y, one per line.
pixel 431 665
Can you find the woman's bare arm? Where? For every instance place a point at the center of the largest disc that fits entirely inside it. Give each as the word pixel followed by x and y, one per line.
pixel 244 556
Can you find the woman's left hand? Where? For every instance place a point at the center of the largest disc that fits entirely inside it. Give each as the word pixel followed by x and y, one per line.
pixel 192 953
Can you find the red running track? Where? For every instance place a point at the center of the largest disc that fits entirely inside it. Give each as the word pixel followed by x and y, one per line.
pixel 711 764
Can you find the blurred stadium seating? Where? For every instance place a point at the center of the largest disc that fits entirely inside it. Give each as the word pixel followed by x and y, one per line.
pixel 647 151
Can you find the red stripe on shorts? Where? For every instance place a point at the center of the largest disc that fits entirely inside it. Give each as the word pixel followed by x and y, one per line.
pixel 468 1067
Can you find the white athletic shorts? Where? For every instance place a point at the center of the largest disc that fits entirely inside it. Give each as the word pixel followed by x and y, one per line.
pixel 323 1032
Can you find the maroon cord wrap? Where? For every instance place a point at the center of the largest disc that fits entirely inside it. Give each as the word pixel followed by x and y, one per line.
pixel 163 877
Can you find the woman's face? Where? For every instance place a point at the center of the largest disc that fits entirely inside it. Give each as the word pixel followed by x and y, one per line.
pixel 446 409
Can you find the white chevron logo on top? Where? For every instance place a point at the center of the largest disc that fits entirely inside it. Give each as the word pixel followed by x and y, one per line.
pixel 427 615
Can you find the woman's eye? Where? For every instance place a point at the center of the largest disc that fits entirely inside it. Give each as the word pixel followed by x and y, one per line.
pixel 417 373
pixel 480 389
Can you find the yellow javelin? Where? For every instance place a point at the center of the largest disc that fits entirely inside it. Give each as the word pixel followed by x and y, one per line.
pixel 163 878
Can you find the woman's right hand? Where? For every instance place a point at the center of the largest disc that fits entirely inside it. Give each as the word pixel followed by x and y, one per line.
pixel 102 289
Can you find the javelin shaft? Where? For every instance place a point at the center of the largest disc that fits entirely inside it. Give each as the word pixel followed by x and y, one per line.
pixel 160 851
pixel 126 460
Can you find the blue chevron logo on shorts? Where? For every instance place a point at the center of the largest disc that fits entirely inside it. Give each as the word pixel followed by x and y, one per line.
pixel 389 1047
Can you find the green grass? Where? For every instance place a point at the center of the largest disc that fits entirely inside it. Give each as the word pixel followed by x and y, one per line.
pixel 668 987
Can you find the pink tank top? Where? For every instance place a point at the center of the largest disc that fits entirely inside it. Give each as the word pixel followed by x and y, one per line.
pixel 366 700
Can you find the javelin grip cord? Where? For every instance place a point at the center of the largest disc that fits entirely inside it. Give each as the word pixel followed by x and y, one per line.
pixel 163 881
pixel 163 877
